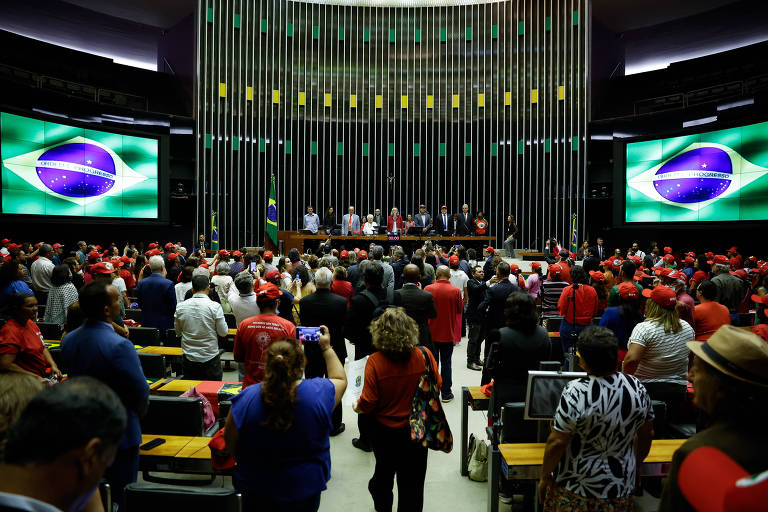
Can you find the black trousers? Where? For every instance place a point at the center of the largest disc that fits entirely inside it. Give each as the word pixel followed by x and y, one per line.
pixel 474 342
pixel 209 370
pixel 397 456
pixel 122 472
pixel 316 368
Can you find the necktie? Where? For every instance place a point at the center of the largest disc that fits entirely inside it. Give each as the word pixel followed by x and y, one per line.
pixel 445 222
pixel 350 223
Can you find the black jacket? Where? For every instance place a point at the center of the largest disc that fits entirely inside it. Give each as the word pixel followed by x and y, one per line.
pixel 359 316
pixel 508 364
pixel 440 229
pixel 323 308
pixel 466 226
pixel 475 295
pixel 591 263
pixel 420 306
pixel 397 267
pixel 493 302
pixel 488 271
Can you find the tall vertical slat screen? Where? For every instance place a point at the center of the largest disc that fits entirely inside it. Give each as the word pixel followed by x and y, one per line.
pixel 385 103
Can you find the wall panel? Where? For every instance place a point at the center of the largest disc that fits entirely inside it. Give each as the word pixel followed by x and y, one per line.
pixel 483 103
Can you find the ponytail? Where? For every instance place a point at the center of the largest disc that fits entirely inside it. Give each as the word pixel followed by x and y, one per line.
pixel 285 365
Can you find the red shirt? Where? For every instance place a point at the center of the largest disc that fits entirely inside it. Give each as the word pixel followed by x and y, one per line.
pixel 390 385
pixel 449 305
pixel 761 330
pixel 565 274
pixel 736 262
pixel 708 318
pixel 343 288
pixel 26 342
pixel 253 338
pixel 127 276
pixel 586 304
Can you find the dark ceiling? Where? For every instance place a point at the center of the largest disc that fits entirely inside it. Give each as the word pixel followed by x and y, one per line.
pixel 156 13
pixel 625 15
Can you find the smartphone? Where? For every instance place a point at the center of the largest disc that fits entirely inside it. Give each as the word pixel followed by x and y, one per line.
pixel 309 334
pixel 152 444
pixel 253 266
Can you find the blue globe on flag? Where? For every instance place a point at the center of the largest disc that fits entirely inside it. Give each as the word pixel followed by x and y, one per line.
pixel 77 170
pixel 693 176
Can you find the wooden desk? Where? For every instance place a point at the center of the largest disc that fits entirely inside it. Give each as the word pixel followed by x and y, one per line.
pixel 179 454
pixel 171 446
pixel 474 398
pixel 196 448
pixel 295 240
pixel 177 386
pixel 157 349
pixel 522 461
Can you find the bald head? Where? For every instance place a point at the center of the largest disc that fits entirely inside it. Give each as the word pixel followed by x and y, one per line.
pixel 411 273
pixel 443 272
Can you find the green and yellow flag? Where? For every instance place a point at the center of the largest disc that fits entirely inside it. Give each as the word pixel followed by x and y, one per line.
pixel 272 213
pixel 214 232
pixel 574 240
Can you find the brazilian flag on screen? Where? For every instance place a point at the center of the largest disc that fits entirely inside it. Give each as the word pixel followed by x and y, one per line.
pixel 272 212
pixel 712 176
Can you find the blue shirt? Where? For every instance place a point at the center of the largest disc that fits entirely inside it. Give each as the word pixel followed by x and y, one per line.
pixel 96 350
pixel 612 320
pixel 157 298
pixel 290 465
pixel 312 222
pixel 17 286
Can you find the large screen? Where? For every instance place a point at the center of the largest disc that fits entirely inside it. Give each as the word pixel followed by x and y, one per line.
pixel 712 176
pixel 56 169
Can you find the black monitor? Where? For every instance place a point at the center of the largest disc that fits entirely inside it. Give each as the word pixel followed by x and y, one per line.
pixel 543 393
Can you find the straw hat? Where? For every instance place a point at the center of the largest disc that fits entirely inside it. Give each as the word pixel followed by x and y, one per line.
pixel 737 353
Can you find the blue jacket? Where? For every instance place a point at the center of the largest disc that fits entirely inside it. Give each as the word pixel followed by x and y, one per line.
pixel 96 350
pixel 157 299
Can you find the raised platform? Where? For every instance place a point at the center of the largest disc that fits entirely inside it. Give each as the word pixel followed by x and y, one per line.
pixel 295 240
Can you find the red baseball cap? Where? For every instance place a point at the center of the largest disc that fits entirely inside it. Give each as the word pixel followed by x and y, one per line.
pixel 555 269
pixel 535 266
pixel 636 259
pixel 733 249
pixel 443 207
pixel 691 254
pixel 597 276
pixel 490 249
pixel 172 256
pixel 268 291
pixel 455 259
pixel 153 245
pixel 667 249
pixel 689 259
pixel 662 271
pixel 268 255
pixel 57 246
pixel 713 482
pixel 103 267
pixel 719 259
pixel 168 245
pixel 512 266
pixel 668 258
pixel 628 291
pixel 93 255
pixel 741 274
pixel 126 259
pixel 362 255
pixel 699 276
pixel 662 295
pixel 709 255
pixel 763 269
pixel 12 247
pixel 37 245
pixel 223 252
pixel 617 251
pixel 344 254
pixel 639 275
pixel 752 258
pixel 680 276
pixel 237 253
pixel 5 241
pixel 760 299
pixel 272 275
pixel 116 262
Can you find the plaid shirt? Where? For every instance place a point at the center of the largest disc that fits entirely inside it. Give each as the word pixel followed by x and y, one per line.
pixel 59 300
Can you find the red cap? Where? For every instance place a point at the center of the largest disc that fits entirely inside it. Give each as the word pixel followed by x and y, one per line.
pixel 5 241
pixel 153 245
pixel 713 482
pixel 116 262
pixel 680 276
pixel 662 295
pixel 555 269
pixel 741 274
pixel 733 249
pixel 691 254
pixel 662 271
pixel 719 259
pixel 268 291
pixel 57 246
pixel 455 259
pixel 636 259
pixel 490 249
pixel 689 259
pixel 628 291
pixel 752 258
pixel 617 251
pixel 237 253
pixel 512 266
pixel 344 254
pixel 172 256
pixel 126 259
pixel 760 299
pixel 168 245
pixel 709 255
pixel 699 276
pixel 597 276
pixel 667 249
pixel 669 259
pixel 422 206
pixel 763 270
pixel 272 275
pixel 223 252
pixel 639 275
pixel 443 207
pixel 268 255
pixel 37 245
pixel 103 267
pixel 535 266
pixel 12 247
pixel 362 255
pixel 93 255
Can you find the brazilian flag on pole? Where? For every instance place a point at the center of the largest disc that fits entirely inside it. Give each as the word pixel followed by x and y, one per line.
pixel 574 240
pixel 214 232
pixel 272 213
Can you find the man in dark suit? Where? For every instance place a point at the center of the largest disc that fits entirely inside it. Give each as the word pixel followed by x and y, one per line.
pixel 324 308
pixel 444 222
pixel 494 300
pixel 418 304
pixel 476 289
pixel 423 220
pixel 399 261
pixel 488 265
pixel 466 222
pixel 600 251
pixel 591 262
pixel 157 297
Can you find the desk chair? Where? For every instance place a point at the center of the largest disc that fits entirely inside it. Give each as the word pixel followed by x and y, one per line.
pixel 550 366
pixel 553 321
pixel 659 417
pixel 134 314
pixel 144 336
pixel 171 338
pixel 230 319
pixel 153 498
pixel 153 365
pixel 50 330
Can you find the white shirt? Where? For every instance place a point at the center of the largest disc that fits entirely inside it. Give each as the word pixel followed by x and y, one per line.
pixel 223 284
pixel 459 279
pixel 181 290
pixel 40 272
pixel 119 283
pixel 199 321
pixel 243 306
pixel 369 228
pixel 25 503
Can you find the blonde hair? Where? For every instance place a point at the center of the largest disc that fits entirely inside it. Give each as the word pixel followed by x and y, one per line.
pixel 395 334
pixel 285 365
pixel 16 390
pixel 668 318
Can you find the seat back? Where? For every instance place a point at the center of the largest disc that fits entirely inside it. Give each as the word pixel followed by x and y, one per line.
pixel 144 336
pixel 155 498
pixel 134 314
pixel 231 321
pixel 553 323
pixel 659 419
pixel 153 365
pixel 516 429
pixel 173 416
pixel 49 330
pixel 171 339
pixel 550 366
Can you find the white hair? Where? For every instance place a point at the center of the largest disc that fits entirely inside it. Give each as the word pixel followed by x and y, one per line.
pixel 222 268
pixel 156 263
pixel 370 216
pixel 201 271
pixel 323 277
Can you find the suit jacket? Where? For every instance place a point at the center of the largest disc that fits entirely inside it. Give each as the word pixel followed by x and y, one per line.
pixel 391 224
pixel 488 268
pixel 359 316
pixel 466 224
pixel 493 302
pixel 440 227
pixel 420 306
pixel 388 284
pixel 602 252
pixel 421 224
pixel 591 263
pixel 476 293
pixel 345 224
pixel 157 298
pixel 397 268
pixel 323 308
pixel 378 220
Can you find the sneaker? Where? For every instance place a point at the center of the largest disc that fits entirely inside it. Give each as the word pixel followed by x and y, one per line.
pixel 447 398
pixel 474 366
pixel 360 445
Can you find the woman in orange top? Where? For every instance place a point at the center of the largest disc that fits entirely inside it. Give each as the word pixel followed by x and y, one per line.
pixel 391 377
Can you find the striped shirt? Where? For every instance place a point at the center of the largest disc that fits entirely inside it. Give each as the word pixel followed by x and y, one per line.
pixel 666 355
pixel 550 294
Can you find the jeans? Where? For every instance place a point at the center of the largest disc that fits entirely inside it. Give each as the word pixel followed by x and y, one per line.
pixel 209 370
pixel 509 246
pixel 397 456
pixel 444 353
pixel 565 339
pixel 122 472
pixel 475 340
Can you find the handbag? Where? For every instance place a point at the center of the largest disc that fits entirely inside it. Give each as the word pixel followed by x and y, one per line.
pixel 477 467
pixel 427 421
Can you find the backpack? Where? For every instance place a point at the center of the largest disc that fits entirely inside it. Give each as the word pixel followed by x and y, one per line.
pixel 477 457
pixel 379 305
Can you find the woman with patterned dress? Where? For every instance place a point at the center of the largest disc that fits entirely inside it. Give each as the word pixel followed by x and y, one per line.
pixel 590 461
